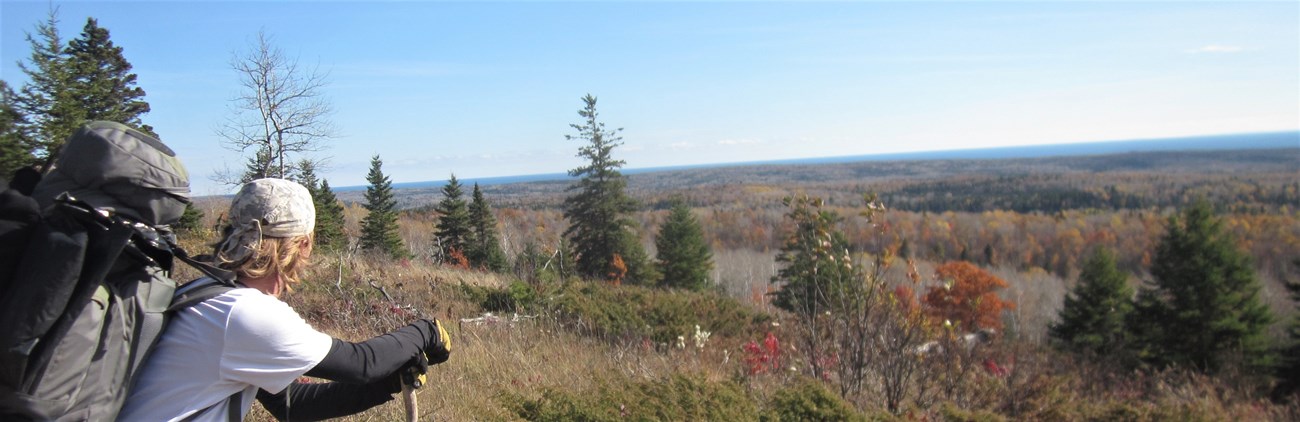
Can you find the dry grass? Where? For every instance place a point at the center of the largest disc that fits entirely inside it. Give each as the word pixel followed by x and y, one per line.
pixel 495 364
pixel 489 361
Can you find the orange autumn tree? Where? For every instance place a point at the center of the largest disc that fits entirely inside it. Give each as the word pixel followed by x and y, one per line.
pixel 968 297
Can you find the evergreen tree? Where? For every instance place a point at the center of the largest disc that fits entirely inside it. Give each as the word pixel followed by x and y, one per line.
pixel 683 256
pixel 453 221
pixel 1288 373
pixel 599 227
pixel 329 213
pixel 49 99
pixel 15 141
pixel 190 220
pixel 330 222
pixel 89 79
pixel 103 79
pixel 379 227
pixel 1202 309
pixel 485 250
pixel 1092 320
pixel 257 167
pixel 816 274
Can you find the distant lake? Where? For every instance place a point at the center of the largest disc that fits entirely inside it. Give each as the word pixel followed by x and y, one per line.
pixel 1267 140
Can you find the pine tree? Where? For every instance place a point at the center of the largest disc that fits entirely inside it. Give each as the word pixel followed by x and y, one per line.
pixel 190 220
pixel 1092 320
pixel 599 227
pixel 329 213
pixel 330 222
pixel 15 141
pixel 453 221
pixel 485 251
pixel 48 99
pixel 379 227
pixel 1202 309
pixel 67 85
pixel 257 167
pixel 1288 372
pixel 684 259
pixel 816 274
pixel 104 81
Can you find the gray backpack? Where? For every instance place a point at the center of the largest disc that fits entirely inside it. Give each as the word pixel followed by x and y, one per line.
pixel 85 294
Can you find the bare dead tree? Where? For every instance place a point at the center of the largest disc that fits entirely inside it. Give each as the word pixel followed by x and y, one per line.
pixel 280 111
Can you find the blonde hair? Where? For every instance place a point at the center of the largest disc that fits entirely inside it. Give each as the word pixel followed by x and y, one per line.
pixel 286 256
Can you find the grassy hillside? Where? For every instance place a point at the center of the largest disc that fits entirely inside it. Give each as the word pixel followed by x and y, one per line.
pixel 582 350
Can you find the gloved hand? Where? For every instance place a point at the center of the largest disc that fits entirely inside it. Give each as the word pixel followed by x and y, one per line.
pixel 413 373
pixel 438 349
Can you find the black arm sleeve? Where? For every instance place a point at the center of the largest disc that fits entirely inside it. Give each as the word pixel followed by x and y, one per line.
pixel 375 359
pixel 314 402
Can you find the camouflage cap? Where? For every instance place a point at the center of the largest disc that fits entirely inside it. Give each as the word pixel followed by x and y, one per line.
pixel 282 208
pixel 262 208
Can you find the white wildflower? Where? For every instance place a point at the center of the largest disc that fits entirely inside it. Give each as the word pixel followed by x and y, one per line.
pixel 701 337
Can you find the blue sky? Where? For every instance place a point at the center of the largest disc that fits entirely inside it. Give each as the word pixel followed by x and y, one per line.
pixel 489 88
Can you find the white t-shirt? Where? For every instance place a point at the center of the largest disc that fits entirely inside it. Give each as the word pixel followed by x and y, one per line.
pixel 242 340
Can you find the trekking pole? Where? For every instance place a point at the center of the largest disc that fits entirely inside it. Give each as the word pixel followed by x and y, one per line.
pixel 413 377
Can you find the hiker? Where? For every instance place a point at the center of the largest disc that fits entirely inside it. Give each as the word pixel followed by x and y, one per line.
pixel 216 356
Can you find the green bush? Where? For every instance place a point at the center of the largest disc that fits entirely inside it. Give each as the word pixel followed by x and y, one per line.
pixel 515 297
pixel 953 413
pixel 661 315
pixel 808 400
pixel 677 398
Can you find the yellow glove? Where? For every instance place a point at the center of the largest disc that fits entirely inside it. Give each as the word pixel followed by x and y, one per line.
pixel 439 348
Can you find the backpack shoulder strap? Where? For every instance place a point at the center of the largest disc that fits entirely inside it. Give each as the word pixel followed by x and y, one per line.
pixel 187 297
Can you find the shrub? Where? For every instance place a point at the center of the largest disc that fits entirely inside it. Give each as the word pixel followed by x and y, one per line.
pixel 514 297
pixel 808 400
pixel 639 312
pixel 676 398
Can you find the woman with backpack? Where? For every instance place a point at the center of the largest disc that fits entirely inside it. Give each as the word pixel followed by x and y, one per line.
pixel 217 355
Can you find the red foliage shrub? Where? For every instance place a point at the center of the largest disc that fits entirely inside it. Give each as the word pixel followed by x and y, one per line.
pixel 764 358
pixel 968 296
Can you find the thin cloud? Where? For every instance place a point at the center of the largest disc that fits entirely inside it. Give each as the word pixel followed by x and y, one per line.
pixel 738 141
pixel 1217 49
pixel 678 146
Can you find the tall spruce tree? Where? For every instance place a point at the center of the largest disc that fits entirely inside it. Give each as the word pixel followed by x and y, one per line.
pixel 191 220
pixel 15 141
pixel 1288 372
pixel 103 79
pixel 816 275
pixel 485 249
pixel 329 213
pixel 599 227
pixel 330 221
pixel 453 221
pixel 1202 309
pixel 1092 320
pixel 87 79
pixel 48 99
pixel 683 257
pixel 379 227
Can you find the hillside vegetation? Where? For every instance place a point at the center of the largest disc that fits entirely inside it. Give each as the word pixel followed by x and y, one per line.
pixel 557 347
